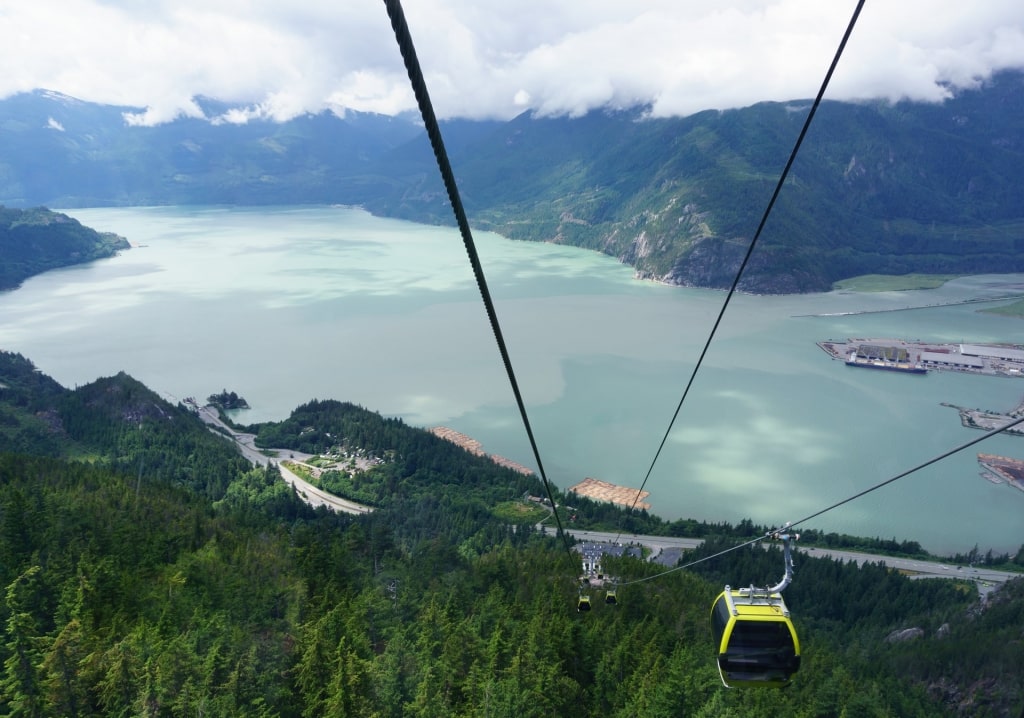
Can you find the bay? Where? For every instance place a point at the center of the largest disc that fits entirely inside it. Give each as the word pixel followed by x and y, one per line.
pixel 288 304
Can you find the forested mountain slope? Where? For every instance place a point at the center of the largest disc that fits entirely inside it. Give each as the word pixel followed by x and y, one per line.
pixel 165 576
pixel 877 188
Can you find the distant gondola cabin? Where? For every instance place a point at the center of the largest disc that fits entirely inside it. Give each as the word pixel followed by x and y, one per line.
pixel 756 641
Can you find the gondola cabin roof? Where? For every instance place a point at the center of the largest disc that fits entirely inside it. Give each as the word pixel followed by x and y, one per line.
pixel 756 641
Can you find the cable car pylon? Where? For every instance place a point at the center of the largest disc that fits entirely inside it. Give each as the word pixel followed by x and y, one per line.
pixel 757 643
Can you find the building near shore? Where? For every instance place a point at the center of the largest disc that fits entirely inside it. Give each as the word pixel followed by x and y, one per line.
pixel 592 553
pixel 951 360
pixel 993 351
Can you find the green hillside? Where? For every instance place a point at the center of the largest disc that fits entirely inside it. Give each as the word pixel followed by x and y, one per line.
pixel 160 574
pixel 33 241
pixel 876 189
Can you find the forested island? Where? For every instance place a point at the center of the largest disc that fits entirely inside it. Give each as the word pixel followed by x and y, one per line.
pixel 147 568
pixel 33 241
pixel 227 401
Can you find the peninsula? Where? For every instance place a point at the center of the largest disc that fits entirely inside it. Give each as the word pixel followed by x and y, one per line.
pixel 33 241
pixel 989 420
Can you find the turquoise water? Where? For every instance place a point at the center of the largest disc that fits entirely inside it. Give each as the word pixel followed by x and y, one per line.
pixel 288 304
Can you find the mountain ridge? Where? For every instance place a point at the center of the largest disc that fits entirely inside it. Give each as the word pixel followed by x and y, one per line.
pixel 878 188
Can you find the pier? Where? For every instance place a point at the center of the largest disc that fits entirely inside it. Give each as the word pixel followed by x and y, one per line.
pixel 1002 470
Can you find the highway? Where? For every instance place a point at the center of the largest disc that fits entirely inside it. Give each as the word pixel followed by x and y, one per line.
pixel 307 492
pixel 986 579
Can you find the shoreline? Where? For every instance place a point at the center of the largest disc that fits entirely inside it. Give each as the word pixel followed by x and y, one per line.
pixel 476 448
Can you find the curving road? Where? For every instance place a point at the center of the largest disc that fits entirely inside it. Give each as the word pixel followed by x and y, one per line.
pixel 307 492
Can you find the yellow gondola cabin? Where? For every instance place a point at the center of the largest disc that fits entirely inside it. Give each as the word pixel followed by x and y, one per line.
pixel 756 641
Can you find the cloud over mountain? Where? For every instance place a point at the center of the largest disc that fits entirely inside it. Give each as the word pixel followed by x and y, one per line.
pixel 497 60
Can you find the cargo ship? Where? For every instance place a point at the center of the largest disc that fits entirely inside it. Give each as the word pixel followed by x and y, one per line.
pixel 905 367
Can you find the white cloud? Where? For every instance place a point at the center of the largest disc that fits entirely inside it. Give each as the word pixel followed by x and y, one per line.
pixel 165 111
pixel 54 124
pixel 278 60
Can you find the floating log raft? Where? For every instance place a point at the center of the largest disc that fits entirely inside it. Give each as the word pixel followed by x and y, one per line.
pixel 475 447
pixel 605 491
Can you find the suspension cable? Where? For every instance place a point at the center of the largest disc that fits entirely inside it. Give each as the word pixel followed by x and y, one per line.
pixel 404 39
pixel 693 563
pixel 908 472
pixel 753 242
pixel 816 514
pixel 419 86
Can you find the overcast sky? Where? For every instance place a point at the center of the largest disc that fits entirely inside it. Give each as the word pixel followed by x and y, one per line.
pixel 497 58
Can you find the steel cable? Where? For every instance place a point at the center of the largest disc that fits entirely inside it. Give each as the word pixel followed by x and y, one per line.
pixel 753 242
pixel 419 86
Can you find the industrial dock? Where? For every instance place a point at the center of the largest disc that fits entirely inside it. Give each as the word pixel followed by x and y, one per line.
pixel 1002 470
pixel 917 357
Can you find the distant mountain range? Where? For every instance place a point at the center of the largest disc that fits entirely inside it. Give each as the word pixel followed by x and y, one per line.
pixel 877 187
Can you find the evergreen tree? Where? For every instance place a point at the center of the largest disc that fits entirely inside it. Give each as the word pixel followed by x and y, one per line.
pixel 22 680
